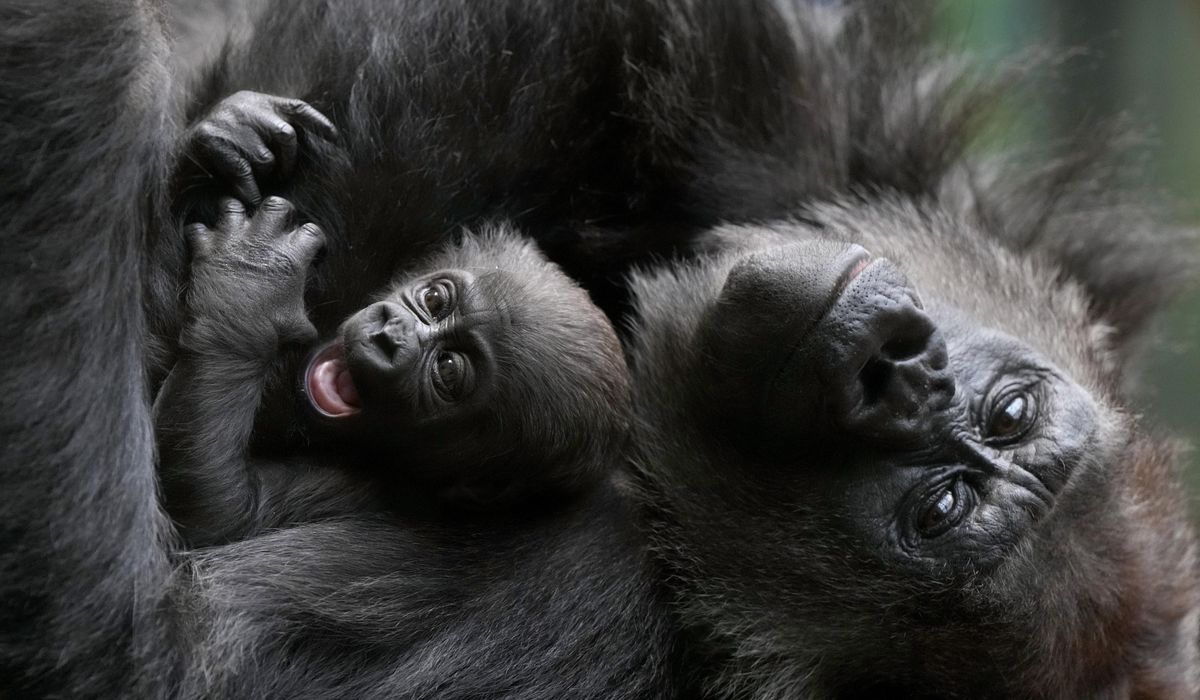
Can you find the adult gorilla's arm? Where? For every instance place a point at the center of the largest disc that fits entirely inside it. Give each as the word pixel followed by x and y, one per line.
pixel 85 131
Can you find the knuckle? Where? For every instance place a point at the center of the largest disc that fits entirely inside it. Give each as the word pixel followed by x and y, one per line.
pixel 206 131
pixel 196 230
pixel 293 106
pixel 232 207
pixel 276 205
pixel 312 232
pixel 197 237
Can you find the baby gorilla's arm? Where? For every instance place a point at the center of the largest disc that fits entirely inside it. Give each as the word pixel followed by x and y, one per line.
pixel 245 302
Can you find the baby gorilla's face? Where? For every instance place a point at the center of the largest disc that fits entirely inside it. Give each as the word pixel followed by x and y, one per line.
pixel 494 365
pixel 424 352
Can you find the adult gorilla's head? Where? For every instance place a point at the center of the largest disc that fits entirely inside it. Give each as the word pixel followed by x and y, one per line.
pixel 883 451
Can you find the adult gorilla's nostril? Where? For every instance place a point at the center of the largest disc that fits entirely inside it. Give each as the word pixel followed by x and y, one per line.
pixel 903 381
pixel 906 341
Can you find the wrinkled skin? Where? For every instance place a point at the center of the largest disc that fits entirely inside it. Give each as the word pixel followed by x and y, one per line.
pixel 894 454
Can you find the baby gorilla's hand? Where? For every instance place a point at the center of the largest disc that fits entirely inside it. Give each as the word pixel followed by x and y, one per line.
pixel 248 136
pixel 248 275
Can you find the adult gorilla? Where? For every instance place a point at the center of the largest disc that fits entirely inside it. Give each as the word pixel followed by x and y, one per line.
pixel 884 438
pixel 94 598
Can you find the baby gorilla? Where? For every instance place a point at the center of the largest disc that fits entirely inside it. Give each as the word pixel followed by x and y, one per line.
pixel 483 378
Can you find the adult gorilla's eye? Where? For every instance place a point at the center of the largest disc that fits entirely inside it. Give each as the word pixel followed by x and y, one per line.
pixel 438 299
pixel 450 375
pixel 944 509
pixel 1010 418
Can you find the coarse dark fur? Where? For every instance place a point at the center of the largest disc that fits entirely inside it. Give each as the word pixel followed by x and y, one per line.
pixel 97 602
pixel 661 121
pixel 543 411
pixel 841 123
pixel 448 118
pixel 794 441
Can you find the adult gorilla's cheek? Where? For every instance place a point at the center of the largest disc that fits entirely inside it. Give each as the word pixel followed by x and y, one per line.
pixel 771 301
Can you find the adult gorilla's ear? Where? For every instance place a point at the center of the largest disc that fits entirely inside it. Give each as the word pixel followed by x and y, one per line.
pixel 1082 214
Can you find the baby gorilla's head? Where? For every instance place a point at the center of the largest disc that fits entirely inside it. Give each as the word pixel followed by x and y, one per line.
pixel 486 373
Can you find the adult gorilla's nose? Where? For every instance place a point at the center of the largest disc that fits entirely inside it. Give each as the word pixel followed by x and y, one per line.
pixel 885 365
pixel 771 302
pixel 872 366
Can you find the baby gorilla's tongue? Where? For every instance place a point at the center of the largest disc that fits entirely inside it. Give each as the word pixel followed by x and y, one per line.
pixel 330 386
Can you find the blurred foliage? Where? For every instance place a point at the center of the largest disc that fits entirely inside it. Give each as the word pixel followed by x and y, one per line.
pixel 1137 60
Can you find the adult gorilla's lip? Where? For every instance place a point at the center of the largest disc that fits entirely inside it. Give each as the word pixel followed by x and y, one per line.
pixel 328 383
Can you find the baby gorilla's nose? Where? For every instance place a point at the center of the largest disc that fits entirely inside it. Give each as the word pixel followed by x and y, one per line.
pixel 390 327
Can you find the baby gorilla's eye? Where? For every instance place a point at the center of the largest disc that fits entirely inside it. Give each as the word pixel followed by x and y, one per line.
pixel 438 299
pixel 943 509
pixel 450 376
pixel 1010 418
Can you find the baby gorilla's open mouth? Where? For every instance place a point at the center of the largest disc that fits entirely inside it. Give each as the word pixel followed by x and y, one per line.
pixel 329 385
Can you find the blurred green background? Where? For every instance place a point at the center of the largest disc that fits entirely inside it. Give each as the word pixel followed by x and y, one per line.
pixel 1138 60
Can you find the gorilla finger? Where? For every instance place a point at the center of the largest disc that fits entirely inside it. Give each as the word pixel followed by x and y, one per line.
pixel 255 150
pixel 308 240
pixel 232 216
pixel 273 215
pixel 227 162
pixel 298 331
pixel 284 142
pixel 199 239
pixel 310 119
pixel 207 134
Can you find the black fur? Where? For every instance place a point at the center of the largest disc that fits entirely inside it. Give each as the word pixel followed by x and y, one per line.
pixel 659 122
pixel 546 414
pixel 84 565
pixel 777 492
pixel 96 600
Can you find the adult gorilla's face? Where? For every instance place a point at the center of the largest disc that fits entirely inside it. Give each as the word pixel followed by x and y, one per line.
pixel 947 440
pixel 872 458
